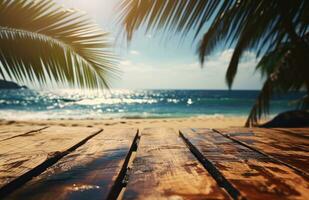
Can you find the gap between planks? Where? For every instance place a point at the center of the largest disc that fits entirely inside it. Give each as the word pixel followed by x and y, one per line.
pixel 121 181
pixel 298 170
pixel 223 155
pixel 213 171
pixel 95 170
pixel 34 131
pixel 24 178
pixel 164 168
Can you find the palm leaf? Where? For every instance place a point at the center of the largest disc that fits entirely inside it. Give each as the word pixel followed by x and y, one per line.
pixel 261 105
pixel 280 68
pixel 41 42
pixel 247 25
pixel 176 16
pixel 276 30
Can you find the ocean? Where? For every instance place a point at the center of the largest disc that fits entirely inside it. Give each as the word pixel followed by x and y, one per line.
pixel 75 104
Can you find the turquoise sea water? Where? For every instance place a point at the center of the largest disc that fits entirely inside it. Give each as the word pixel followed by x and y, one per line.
pixel 74 104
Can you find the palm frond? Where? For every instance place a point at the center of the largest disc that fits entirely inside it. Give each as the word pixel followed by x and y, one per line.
pixel 247 25
pixel 41 41
pixel 261 105
pixel 276 30
pixel 176 16
pixel 281 68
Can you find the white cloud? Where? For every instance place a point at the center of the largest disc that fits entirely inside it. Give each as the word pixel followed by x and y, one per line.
pixel 181 75
pixel 130 66
pixel 134 52
pixel 125 63
pixel 148 65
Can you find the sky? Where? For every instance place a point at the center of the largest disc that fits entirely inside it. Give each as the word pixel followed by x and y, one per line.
pixel 152 61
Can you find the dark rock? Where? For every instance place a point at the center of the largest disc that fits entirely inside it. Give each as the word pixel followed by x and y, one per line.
pixel 290 119
pixel 5 85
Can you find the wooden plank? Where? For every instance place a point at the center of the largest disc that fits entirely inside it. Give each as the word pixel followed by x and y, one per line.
pixel 11 131
pixel 87 173
pixel 292 150
pixel 21 156
pixel 164 168
pixel 301 132
pixel 254 175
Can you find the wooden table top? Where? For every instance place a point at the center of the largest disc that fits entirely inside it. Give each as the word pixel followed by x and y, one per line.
pixel 57 162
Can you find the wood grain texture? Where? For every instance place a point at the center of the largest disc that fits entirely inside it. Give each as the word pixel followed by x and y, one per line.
pixel 254 175
pixel 11 131
pixel 20 155
pixel 164 168
pixel 287 148
pixel 87 173
pixel 301 132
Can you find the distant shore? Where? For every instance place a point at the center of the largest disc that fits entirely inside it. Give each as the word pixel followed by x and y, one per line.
pixel 196 122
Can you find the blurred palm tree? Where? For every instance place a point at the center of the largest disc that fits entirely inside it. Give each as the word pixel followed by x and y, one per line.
pixel 41 41
pixel 276 30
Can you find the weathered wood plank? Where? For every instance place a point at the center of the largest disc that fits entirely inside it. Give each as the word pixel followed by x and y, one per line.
pixel 164 168
pixel 287 148
pixel 301 132
pixel 89 172
pixel 254 175
pixel 22 155
pixel 11 131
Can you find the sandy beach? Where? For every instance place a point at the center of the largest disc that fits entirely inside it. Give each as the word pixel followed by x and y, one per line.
pixel 197 122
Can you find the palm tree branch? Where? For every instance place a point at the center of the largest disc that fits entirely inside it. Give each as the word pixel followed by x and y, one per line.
pixel 58 65
pixel 45 39
pixel 246 25
pixel 179 16
pixel 261 105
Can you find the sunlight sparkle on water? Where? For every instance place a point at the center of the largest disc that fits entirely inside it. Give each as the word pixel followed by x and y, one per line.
pixel 123 103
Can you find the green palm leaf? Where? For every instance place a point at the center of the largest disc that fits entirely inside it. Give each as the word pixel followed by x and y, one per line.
pixel 261 105
pixel 280 67
pixel 41 41
pixel 259 25
pixel 262 26
pixel 178 16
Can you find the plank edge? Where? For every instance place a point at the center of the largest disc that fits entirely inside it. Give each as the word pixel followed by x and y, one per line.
pixel 296 169
pixel 24 178
pixel 122 178
pixel 210 167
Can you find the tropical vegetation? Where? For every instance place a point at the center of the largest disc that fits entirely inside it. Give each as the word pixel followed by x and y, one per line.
pixel 276 30
pixel 42 42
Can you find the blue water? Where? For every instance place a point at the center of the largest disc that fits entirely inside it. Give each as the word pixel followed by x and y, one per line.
pixel 75 104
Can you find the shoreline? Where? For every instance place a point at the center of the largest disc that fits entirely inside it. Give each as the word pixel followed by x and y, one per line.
pixel 196 122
